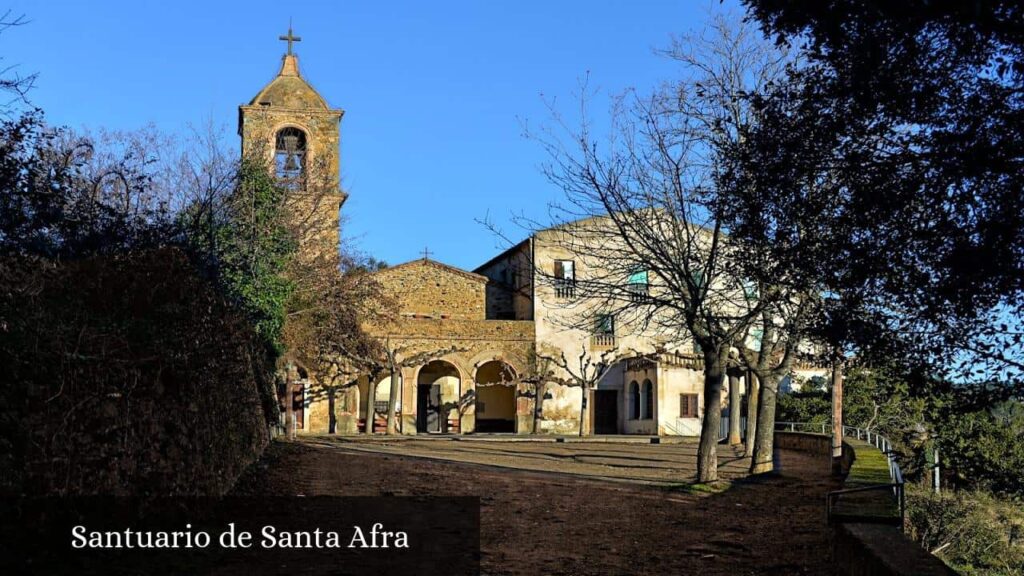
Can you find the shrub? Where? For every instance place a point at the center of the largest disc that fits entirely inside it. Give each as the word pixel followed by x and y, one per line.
pixel 125 374
pixel 971 531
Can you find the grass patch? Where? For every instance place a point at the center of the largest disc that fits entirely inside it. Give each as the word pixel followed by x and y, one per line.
pixel 699 489
pixel 870 466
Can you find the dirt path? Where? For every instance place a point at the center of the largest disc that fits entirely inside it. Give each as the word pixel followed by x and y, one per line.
pixel 542 523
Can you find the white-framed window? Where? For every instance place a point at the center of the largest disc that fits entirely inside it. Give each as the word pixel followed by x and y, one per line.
pixel 638 285
pixel 565 278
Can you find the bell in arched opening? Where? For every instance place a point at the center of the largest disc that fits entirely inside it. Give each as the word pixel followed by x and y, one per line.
pixel 290 156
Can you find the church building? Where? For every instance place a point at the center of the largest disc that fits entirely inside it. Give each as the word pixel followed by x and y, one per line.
pixel 477 331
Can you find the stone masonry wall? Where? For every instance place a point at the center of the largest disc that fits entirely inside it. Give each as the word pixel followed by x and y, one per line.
pixel 427 289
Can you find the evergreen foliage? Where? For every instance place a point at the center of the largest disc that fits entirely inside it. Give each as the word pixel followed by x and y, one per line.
pixel 254 247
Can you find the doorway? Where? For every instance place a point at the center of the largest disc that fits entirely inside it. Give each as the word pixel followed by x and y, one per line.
pixel 437 391
pixel 606 411
pixel 428 408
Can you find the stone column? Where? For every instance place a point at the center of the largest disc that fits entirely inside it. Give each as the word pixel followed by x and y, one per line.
pixel 837 415
pixel 735 434
pixel 409 407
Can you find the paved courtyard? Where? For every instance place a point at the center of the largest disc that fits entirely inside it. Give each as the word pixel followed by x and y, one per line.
pixel 624 459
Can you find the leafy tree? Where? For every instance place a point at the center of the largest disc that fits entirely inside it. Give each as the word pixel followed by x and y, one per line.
pixel 254 249
pixel 777 336
pixel 891 165
pixel 982 449
pixel 60 200
pixel 811 406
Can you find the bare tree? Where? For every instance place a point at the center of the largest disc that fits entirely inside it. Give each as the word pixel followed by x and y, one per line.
pixel 583 371
pixel 385 357
pixel 644 201
pixel 11 81
pixel 405 357
pixel 325 332
pixel 534 381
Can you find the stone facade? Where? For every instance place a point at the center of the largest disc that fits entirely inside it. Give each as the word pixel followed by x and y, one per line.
pixel 467 357
pixel 288 101
pixel 429 289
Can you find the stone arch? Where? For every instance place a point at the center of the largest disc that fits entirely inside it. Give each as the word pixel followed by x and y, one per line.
pixel 291 156
pixel 312 145
pixel 496 398
pixel 491 355
pixel 438 394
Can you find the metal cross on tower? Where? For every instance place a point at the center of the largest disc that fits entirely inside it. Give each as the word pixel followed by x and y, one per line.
pixel 290 38
pixel 426 253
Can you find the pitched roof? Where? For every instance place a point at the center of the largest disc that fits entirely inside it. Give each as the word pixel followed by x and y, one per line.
pixel 439 265
pixel 289 90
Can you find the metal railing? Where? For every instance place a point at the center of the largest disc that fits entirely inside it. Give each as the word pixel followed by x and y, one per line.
pixel 565 288
pixel 883 444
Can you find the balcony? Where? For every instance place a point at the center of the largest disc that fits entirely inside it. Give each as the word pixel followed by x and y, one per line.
pixel 638 292
pixel 602 341
pixel 565 288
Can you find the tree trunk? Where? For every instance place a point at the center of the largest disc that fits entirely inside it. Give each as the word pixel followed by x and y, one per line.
pixel 583 410
pixel 837 415
pixel 764 436
pixel 538 406
pixel 393 395
pixel 753 392
pixel 370 414
pixel 707 454
pixel 735 436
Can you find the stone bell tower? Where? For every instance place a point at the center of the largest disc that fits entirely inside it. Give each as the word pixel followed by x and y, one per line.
pixel 291 127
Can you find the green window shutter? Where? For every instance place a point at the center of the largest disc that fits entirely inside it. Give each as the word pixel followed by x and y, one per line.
pixel 750 290
pixel 698 278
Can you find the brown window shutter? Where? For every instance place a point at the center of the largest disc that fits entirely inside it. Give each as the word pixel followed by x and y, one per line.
pixel 688 406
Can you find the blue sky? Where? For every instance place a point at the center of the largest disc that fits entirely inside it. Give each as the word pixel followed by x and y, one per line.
pixel 434 93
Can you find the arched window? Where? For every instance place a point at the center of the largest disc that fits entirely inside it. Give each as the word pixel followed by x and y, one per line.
pixel 648 395
pixel 290 156
pixel 634 400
